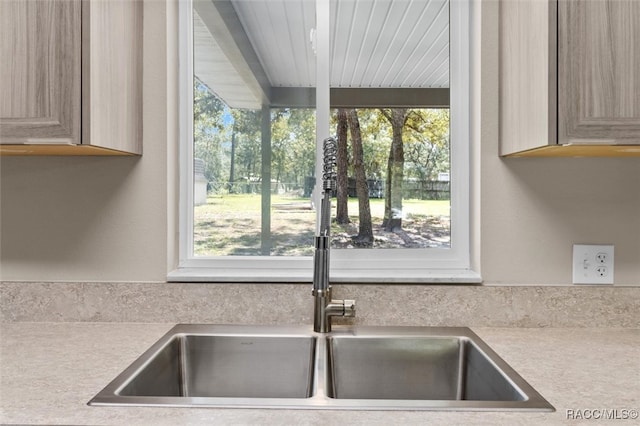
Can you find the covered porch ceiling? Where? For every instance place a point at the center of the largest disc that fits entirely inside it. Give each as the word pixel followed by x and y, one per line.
pixel 383 52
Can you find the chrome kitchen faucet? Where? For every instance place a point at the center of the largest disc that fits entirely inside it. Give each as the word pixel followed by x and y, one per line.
pixel 324 306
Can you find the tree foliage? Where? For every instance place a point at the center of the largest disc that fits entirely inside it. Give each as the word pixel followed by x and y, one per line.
pixel 425 142
pixel 293 144
pixel 209 133
pixel 247 127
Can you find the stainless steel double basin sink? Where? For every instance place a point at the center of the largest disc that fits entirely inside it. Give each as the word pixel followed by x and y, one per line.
pixel 368 368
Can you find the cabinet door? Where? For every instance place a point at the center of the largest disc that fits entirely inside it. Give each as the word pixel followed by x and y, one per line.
pixel 40 71
pixel 599 71
pixel 112 74
pixel 528 64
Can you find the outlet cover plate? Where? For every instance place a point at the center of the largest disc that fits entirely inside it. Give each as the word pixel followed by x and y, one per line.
pixel 592 264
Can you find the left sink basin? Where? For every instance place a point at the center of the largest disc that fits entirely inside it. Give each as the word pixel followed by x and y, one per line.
pixel 193 361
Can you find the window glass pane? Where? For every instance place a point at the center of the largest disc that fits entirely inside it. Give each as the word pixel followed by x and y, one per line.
pixel 395 191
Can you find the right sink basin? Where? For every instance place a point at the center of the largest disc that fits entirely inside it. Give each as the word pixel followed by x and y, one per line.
pixel 435 367
pixel 415 368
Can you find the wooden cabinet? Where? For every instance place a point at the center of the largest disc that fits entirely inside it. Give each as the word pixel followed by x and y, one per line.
pixel 40 71
pixel 599 71
pixel 71 77
pixel 569 78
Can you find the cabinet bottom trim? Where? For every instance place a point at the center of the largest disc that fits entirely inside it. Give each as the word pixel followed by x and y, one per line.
pixel 580 151
pixel 59 150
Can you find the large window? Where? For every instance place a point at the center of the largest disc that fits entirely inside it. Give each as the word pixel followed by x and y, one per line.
pixel 257 99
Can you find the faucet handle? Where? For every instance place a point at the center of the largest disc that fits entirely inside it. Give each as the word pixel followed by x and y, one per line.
pixel 349 308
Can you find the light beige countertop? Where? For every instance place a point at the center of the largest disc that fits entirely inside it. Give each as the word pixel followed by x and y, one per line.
pixel 50 370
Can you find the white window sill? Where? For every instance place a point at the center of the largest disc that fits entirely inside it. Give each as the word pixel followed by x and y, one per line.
pixel 206 274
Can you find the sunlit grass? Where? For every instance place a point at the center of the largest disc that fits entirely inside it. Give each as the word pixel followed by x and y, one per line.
pixel 231 224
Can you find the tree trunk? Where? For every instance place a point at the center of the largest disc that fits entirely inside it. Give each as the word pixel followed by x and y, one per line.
pixel 387 192
pixel 393 197
pixel 365 229
pixel 233 161
pixel 342 181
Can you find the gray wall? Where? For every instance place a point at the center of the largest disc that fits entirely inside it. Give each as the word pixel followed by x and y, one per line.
pixel 106 219
pixel 88 218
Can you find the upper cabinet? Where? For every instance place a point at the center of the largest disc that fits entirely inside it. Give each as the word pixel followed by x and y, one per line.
pixel 71 77
pixel 569 78
pixel 40 72
pixel 599 72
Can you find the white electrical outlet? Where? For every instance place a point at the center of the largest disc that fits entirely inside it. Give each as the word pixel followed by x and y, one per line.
pixel 592 264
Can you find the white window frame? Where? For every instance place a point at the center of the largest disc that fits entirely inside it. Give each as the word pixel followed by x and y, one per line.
pixel 452 265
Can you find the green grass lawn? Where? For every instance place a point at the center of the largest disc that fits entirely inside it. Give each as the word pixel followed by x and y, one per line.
pixel 231 225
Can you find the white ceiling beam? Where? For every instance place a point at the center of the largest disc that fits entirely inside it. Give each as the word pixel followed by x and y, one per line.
pixel 228 35
pixel 301 97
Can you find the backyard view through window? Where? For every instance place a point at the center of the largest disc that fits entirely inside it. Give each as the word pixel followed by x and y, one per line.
pixel 393 188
